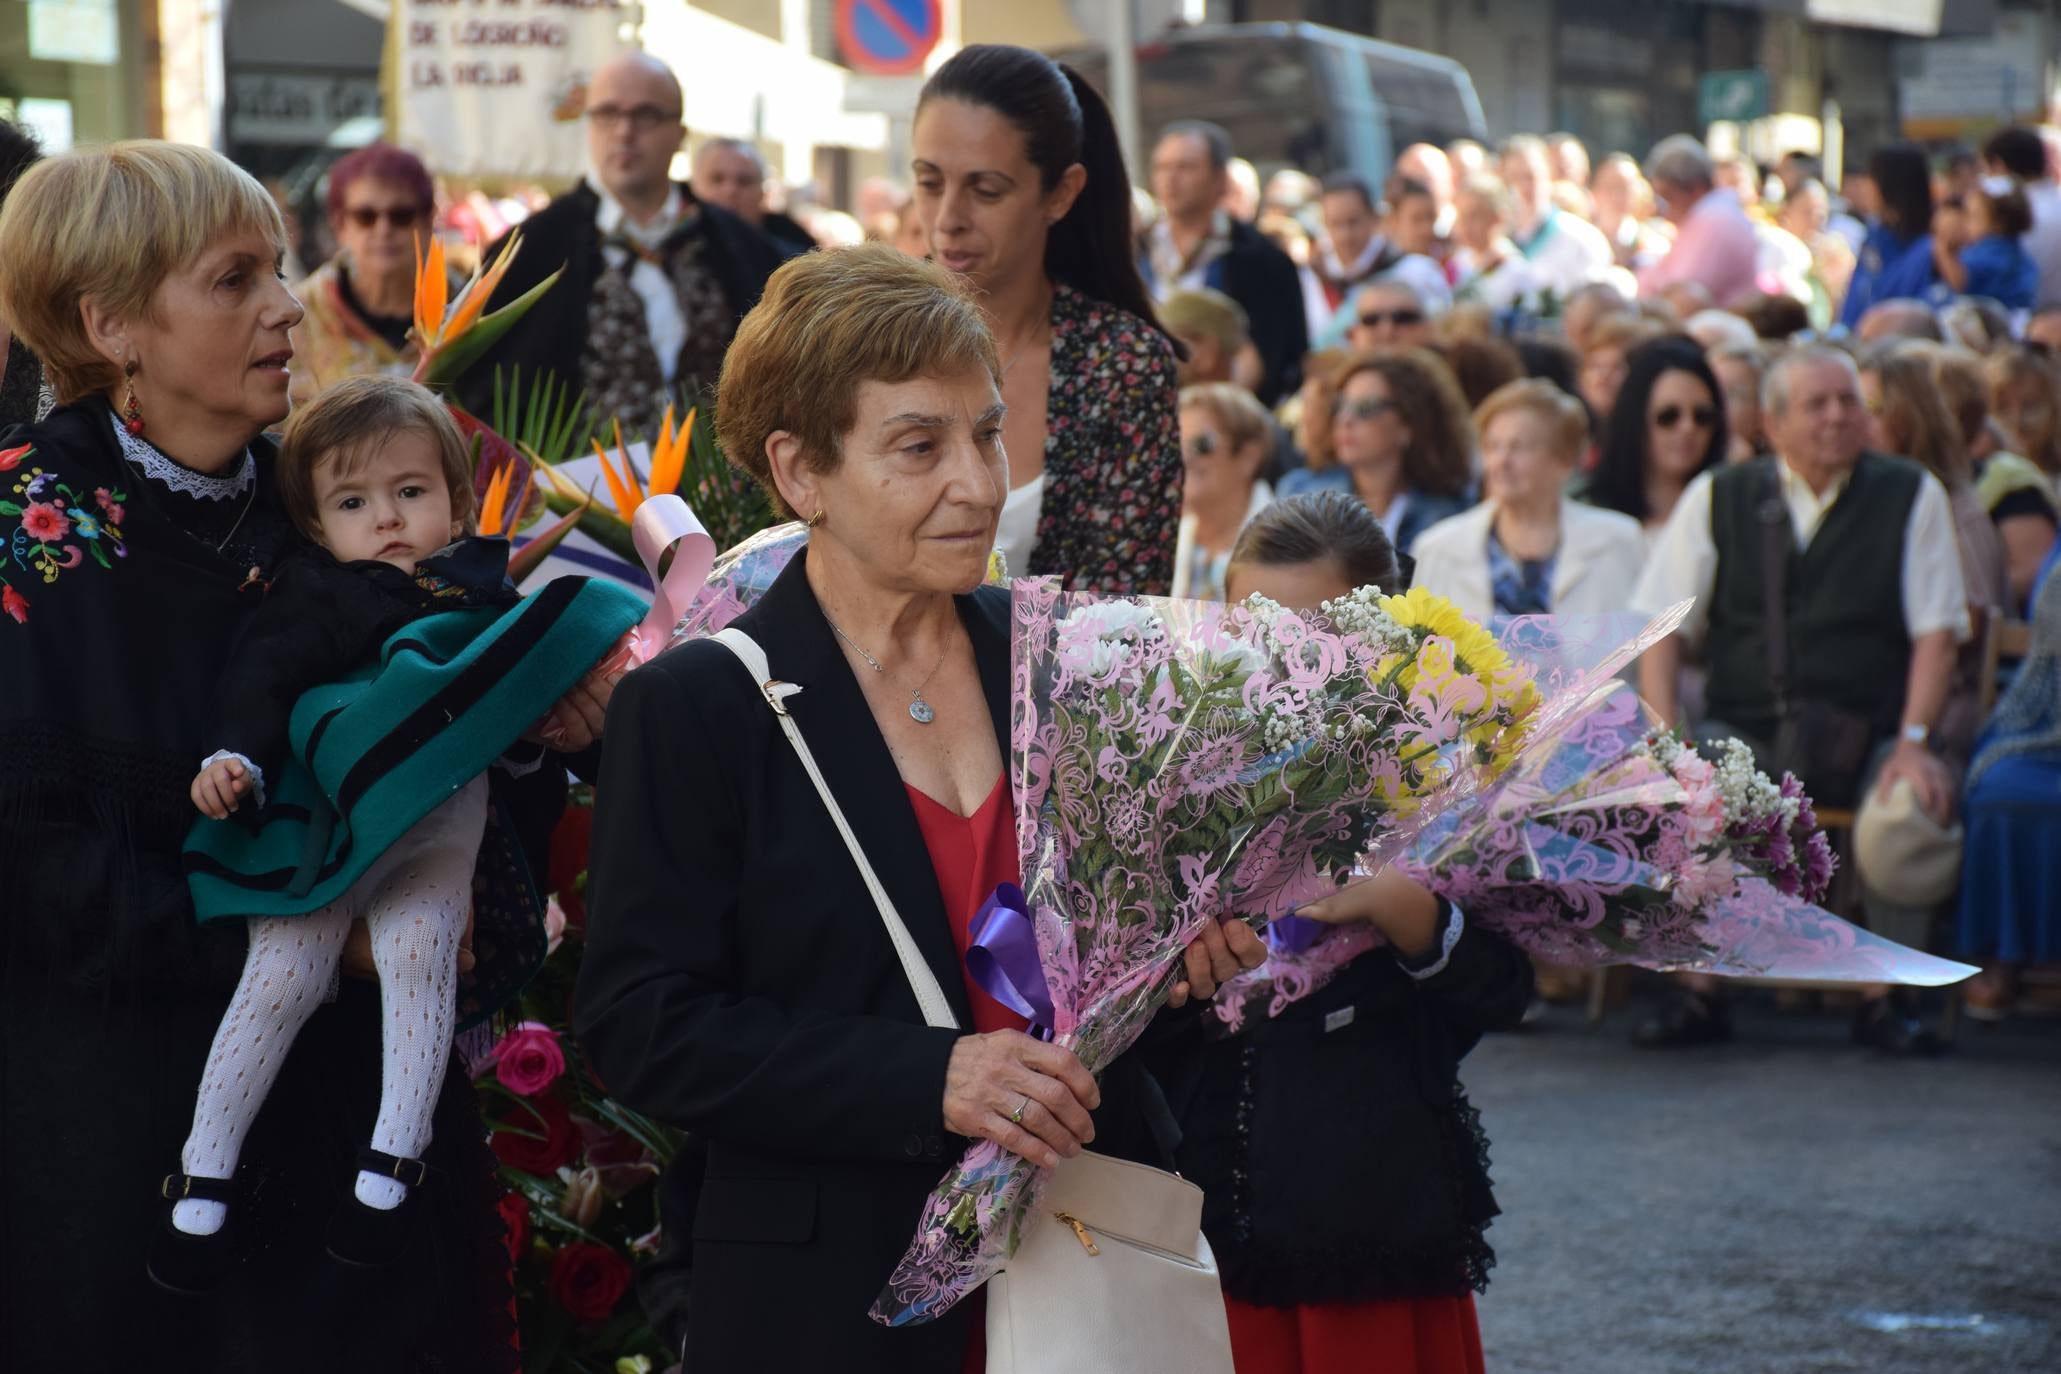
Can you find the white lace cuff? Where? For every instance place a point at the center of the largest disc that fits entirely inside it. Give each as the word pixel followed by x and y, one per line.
pixel 1454 927
pixel 257 774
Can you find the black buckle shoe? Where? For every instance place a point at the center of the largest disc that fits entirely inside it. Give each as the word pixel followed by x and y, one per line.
pixel 1889 1025
pixel 181 1262
pixel 374 1236
pixel 1694 1020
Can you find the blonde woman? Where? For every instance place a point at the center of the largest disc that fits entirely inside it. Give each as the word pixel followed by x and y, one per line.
pixel 1527 549
pixel 2024 393
pixel 1226 439
pixel 145 517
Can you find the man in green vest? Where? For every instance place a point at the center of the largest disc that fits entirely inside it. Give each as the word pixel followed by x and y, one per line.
pixel 1866 586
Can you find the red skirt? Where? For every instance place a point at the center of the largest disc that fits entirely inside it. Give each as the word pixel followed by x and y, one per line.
pixel 1408 1336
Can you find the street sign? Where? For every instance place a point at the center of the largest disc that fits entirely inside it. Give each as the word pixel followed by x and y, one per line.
pixel 1731 97
pixel 887 37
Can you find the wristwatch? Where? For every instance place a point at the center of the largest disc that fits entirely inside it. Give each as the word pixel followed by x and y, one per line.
pixel 1920 735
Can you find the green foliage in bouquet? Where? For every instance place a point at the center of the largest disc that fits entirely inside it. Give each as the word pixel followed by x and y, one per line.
pixel 553 424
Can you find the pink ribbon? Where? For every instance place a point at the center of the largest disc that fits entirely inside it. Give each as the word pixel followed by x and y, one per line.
pixel 661 523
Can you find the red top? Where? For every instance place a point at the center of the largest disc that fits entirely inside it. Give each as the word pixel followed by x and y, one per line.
pixel 973 855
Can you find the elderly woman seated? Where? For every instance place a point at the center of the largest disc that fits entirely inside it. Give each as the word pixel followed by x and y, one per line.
pixel 741 980
pixel 1527 549
pixel 1226 438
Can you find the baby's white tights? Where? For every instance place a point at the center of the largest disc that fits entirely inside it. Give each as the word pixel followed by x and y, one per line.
pixel 414 901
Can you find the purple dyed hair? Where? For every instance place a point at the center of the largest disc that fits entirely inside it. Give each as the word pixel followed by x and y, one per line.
pixel 381 162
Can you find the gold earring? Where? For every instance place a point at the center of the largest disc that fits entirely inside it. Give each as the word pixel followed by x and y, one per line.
pixel 132 413
pixel 813 521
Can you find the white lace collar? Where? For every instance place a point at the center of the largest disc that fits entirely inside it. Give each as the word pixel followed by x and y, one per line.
pixel 185 480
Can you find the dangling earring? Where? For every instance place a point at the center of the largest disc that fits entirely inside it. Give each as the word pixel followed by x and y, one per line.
pixel 132 413
pixel 813 521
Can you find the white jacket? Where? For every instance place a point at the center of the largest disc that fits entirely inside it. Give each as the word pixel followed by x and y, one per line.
pixel 1601 553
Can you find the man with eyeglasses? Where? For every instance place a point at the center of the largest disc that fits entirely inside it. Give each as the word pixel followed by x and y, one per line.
pixel 1861 626
pixel 655 279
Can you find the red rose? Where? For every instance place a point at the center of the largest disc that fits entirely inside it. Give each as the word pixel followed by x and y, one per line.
pixel 588 1280
pixel 515 1215
pixel 10 459
pixel 559 1144
pixel 14 604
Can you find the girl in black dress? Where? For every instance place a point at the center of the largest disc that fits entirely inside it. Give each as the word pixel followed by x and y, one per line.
pixel 1344 1173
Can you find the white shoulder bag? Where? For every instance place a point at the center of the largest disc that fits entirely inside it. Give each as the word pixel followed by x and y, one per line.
pixel 1113 1272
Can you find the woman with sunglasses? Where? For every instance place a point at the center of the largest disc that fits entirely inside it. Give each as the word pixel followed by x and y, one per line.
pixel 361 302
pixel 1226 439
pixel 1399 439
pixel 1666 425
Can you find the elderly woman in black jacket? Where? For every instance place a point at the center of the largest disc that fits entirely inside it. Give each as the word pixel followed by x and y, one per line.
pixel 739 980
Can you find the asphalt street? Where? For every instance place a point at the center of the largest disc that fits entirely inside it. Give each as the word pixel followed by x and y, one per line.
pixel 1788 1202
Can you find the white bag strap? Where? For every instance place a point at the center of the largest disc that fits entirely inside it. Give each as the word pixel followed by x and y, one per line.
pixel 929 996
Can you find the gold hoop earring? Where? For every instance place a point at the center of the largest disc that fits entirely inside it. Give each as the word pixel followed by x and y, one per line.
pixel 813 521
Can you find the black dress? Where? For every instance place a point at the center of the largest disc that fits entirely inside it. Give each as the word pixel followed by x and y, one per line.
pixel 738 983
pixel 1338 1156
pixel 110 993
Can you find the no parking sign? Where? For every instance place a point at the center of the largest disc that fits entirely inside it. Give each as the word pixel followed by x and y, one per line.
pixel 887 37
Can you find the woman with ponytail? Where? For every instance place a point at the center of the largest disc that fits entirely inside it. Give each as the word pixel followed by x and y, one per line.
pixel 1020 183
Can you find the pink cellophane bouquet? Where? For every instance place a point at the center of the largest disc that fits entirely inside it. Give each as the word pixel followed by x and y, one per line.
pixel 1175 763
pixel 1607 841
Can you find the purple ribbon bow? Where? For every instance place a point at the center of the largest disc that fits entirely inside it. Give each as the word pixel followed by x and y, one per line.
pixel 1003 958
pixel 1293 934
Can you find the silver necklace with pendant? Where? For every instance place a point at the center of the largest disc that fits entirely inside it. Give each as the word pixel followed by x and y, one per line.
pixel 920 711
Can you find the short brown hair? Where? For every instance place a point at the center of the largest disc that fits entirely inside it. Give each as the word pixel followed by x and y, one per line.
pixel 1564 415
pixel 355 416
pixel 1481 365
pixel 1622 332
pixel 2010 213
pixel 829 321
pixel 1315 526
pixel 1440 458
pixel 112 223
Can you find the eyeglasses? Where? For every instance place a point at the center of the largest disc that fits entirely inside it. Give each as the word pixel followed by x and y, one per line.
pixel 1374 319
pixel 399 216
pixel 641 118
pixel 1667 417
pixel 1366 408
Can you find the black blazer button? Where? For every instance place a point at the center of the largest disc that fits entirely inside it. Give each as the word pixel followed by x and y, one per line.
pixel 932 1145
pixel 913 1146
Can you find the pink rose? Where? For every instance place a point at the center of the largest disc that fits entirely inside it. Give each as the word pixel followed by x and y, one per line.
pixel 1702 881
pixel 528 1059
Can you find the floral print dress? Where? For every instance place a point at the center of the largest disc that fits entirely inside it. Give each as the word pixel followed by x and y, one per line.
pixel 1113 475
